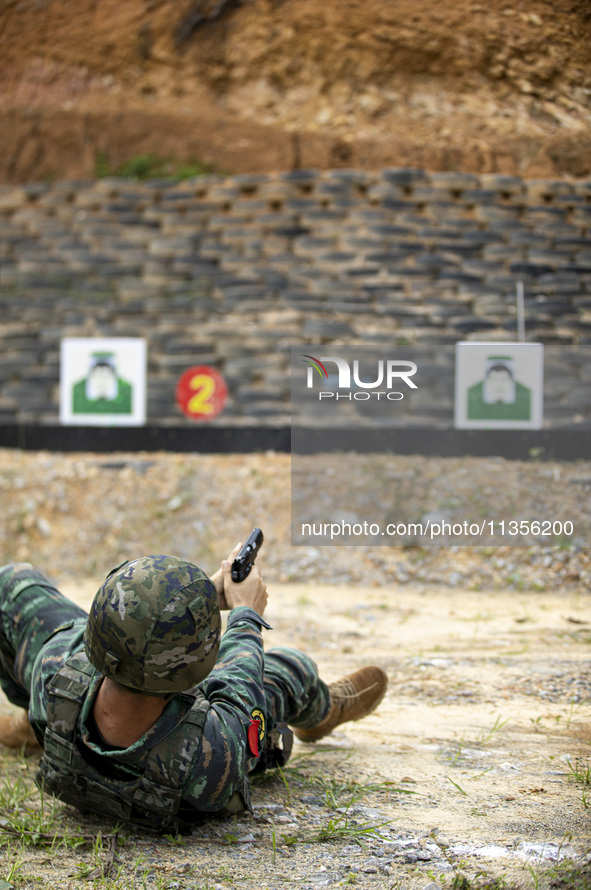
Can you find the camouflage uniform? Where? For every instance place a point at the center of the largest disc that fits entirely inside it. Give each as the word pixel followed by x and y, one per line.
pixel 40 630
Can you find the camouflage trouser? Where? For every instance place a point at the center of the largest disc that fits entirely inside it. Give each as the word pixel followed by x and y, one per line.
pixel 32 611
pixel 295 693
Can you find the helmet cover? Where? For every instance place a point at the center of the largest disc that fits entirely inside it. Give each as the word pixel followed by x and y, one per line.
pixel 154 625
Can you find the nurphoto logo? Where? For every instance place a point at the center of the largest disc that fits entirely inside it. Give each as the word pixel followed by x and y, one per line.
pixel 389 373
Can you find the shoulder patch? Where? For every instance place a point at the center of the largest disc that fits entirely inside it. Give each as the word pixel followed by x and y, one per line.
pixel 256 731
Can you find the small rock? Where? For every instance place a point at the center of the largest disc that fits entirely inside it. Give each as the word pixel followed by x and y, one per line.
pixel 183 869
pixel 350 850
pixel 442 841
pixel 370 813
pixel 44 526
pixel 270 807
pixel 370 866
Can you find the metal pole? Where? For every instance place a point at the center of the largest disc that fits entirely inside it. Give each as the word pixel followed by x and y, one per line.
pixel 520 313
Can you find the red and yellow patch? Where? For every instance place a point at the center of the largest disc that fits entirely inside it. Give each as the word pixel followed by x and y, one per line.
pixel 256 731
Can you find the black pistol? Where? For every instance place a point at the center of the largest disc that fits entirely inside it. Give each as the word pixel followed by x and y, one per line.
pixel 248 553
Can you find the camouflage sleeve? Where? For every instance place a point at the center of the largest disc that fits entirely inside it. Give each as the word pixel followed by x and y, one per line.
pixel 235 690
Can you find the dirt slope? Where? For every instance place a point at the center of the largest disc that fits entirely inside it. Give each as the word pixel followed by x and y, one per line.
pixel 502 86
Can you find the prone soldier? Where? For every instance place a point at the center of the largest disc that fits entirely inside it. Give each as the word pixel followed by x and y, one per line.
pixel 145 712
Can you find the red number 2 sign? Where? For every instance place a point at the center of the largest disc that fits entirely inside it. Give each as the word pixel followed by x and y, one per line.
pixel 201 392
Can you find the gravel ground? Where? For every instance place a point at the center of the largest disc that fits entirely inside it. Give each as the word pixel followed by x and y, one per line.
pixel 77 516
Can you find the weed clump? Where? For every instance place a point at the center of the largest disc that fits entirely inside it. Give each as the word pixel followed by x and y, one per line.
pixel 148 166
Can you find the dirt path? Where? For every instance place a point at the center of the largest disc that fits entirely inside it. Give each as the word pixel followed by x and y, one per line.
pixel 485 712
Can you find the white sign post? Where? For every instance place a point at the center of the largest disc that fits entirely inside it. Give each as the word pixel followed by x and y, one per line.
pixel 499 386
pixel 103 381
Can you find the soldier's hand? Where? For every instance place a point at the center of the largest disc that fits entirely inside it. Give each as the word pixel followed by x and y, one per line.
pixel 250 592
pixel 218 578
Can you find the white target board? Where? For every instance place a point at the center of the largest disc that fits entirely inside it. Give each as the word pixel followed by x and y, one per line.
pixel 103 381
pixel 499 386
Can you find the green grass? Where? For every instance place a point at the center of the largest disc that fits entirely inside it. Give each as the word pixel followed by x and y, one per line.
pixel 150 166
pixel 481 882
pixel 457 787
pixel 33 819
pixel 340 828
pixel 486 736
pixel 113 860
pixel 336 794
pixel 302 773
pixel 568 876
pixel 31 816
pixel 14 873
pixel 580 772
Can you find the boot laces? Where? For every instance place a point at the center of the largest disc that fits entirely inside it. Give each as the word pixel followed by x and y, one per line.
pixel 343 690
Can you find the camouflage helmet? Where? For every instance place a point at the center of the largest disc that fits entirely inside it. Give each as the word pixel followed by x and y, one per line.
pixel 154 625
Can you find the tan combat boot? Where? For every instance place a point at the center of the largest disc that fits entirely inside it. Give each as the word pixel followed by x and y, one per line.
pixel 351 698
pixel 16 731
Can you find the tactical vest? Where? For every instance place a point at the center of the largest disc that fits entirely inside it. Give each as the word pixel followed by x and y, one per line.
pixel 122 787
